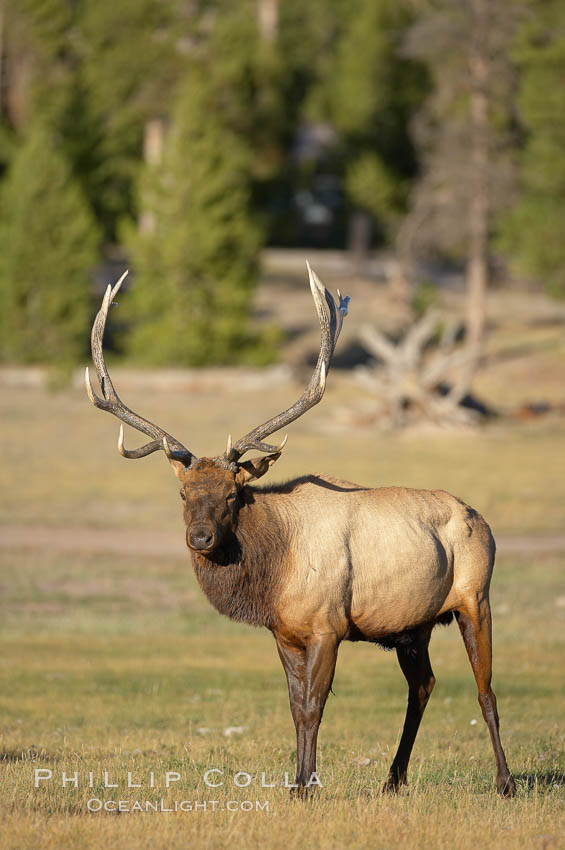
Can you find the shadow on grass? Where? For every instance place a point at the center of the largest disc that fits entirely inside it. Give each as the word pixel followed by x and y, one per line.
pixel 540 780
pixel 31 754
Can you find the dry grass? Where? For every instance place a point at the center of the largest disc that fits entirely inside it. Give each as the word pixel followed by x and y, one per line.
pixel 426 819
pixel 61 466
pixel 116 664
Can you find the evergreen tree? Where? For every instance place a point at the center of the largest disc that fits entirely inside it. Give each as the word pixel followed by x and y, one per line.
pixel 464 134
pixel 197 266
pixel 374 92
pixel 35 67
pixel 130 55
pixel 133 56
pixel 48 247
pixel 368 91
pixel 532 234
pixel 37 58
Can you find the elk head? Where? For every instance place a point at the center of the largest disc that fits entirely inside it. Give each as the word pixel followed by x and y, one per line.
pixel 211 488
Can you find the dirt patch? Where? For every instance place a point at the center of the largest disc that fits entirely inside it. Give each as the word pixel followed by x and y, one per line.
pixel 155 544
pixel 136 542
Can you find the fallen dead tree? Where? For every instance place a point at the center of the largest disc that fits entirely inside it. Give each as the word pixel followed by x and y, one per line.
pixel 423 376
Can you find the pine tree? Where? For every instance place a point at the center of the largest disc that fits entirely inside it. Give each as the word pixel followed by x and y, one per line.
pixel 464 134
pixel 197 267
pixel 48 247
pixel 369 93
pixel 37 57
pixel 532 234
pixel 129 59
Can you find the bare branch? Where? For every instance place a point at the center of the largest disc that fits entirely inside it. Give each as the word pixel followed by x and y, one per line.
pixel 378 344
pixel 418 336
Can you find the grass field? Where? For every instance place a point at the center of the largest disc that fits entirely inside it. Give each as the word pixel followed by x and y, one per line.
pixel 115 663
pixel 61 466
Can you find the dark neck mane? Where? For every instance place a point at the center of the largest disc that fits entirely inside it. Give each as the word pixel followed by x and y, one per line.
pixel 243 578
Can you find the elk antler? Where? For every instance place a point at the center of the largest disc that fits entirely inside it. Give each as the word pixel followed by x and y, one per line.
pixel 331 328
pixel 113 404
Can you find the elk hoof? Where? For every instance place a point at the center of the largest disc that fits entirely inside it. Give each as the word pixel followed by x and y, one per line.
pixel 393 783
pixel 506 786
pixel 302 793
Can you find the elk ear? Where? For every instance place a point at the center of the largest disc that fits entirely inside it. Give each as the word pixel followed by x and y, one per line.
pixel 178 467
pixel 255 468
pixel 179 460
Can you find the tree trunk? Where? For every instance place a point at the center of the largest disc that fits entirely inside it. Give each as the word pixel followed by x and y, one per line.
pixel 479 205
pixel 359 240
pixel 479 210
pixel 268 19
pixel 2 81
pixel 153 138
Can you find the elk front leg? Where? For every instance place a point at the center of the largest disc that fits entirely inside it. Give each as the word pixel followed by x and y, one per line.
pixel 415 664
pixel 309 671
pixel 294 662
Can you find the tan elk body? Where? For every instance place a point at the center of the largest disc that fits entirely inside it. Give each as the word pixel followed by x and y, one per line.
pixel 319 560
pixel 377 560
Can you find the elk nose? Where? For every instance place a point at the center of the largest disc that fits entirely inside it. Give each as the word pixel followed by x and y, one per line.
pixel 201 538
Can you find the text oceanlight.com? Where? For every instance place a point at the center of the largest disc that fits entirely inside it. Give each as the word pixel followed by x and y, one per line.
pixel 97 805
pixel 173 780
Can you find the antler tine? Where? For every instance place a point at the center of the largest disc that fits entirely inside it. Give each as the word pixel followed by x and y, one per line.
pixel 111 401
pixel 331 318
pixel 143 451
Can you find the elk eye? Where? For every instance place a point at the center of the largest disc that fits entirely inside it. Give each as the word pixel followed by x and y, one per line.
pixel 183 495
pixel 231 498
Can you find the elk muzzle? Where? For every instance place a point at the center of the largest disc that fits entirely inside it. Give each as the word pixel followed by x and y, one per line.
pixel 201 538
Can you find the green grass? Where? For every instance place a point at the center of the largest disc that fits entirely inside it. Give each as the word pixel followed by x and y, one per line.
pixel 116 664
pixel 61 466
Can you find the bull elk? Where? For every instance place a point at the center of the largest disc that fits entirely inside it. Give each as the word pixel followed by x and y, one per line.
pixel 318 560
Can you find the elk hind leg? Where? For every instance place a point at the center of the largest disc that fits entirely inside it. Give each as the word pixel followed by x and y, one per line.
pixel 415 664
pixel 474 621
